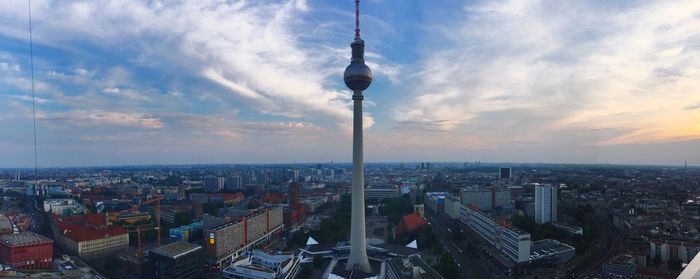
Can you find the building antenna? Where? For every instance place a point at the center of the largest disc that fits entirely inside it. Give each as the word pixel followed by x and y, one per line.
pixel 31 63
pixel 357 19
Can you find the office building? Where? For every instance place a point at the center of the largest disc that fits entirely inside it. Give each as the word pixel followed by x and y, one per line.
pixel 214 184
pixel 382 192
pixel 485 199
pixel 545 204
pixel 510 241
pixel 453 207
pixel 182 260
pixel 26 250
pixel 233 183
pixel 227 239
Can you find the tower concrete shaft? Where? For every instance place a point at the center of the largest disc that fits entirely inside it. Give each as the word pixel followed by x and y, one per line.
pixel 358 243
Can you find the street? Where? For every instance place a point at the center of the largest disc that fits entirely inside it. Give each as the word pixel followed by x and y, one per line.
pixel 473 266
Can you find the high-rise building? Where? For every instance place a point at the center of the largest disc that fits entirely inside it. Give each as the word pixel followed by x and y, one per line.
pixel 545 204
pixel 505 173
pixel 357 78
pixel 233 183
pixel 214 184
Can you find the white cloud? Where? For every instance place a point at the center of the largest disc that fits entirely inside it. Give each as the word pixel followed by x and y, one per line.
pixel 555 66
pixel 250 48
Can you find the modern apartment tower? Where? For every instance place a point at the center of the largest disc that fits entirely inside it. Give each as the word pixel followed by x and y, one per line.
pixel 357 77
pixel 545 204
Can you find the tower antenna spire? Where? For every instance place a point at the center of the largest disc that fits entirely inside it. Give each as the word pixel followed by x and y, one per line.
pixel 357 19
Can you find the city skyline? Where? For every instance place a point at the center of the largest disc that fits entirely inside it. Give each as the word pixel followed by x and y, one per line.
pixel 201 82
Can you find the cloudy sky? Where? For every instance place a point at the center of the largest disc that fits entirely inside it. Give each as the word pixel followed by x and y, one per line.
pixel 150 82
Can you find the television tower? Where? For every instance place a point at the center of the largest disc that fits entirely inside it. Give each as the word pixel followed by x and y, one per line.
pixel 357 77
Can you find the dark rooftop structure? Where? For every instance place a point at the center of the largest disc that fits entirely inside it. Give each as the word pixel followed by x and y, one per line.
pixel 177 249
pixel 176 260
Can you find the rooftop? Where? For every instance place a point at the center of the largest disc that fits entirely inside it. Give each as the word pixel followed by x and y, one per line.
pixel 406 267
pixel 546 247
pixel 5 223
pixel 23 238
pixel 622 260
pixel 176 249
pixel 86 227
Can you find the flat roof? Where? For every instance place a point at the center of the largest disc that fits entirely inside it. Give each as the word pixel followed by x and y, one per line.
pixel 622 260
pixel 548 246
pixel 176 249
pixel 5 222
pixel 23 238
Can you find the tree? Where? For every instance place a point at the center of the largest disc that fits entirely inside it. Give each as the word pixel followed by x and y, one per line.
pixel 337 226
pixel 447 267
pixel 296 239
pixel 396 208
pixel 210 208
pixel 318 262
pixel 182 218
pixel 456 233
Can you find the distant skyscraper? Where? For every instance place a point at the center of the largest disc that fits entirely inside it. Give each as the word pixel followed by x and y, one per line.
pixel 505 173
pixel 545 204
pixel 357 77
pixel 233 183
pixel 214 184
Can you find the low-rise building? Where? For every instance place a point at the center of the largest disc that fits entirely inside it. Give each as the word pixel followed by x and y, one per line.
pixel 435 201
pixel 176 260
pixel 314 203
pixel 382 192
pixel 621 267
pixel 551 252
pixel 570 229
pixel 5 225
pixel 26 250
pixel 64 207
pixel 88 235
pixel 261 264
pixel 410 227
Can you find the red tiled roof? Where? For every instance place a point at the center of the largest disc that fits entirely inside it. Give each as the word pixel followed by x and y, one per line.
pixel 273 198
pixel 86 227
pixel 412 222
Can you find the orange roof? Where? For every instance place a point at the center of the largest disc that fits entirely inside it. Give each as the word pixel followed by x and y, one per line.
pixel 86 227
pixel 412 222
pixel 273 198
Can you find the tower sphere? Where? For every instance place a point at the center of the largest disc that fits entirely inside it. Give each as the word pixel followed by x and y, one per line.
pixel 357 75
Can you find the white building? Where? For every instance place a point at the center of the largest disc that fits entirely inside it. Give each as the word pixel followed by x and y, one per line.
pixel 545 204
pixel 63 207
pixel 382 192
pixel 261 264
pixel 485 199
pixel 511 241
pixel 452 207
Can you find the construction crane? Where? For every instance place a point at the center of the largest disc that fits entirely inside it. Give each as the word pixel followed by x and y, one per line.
pixel 156 199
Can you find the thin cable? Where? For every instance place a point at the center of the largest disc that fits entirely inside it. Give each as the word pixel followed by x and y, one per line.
pixel 31 59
